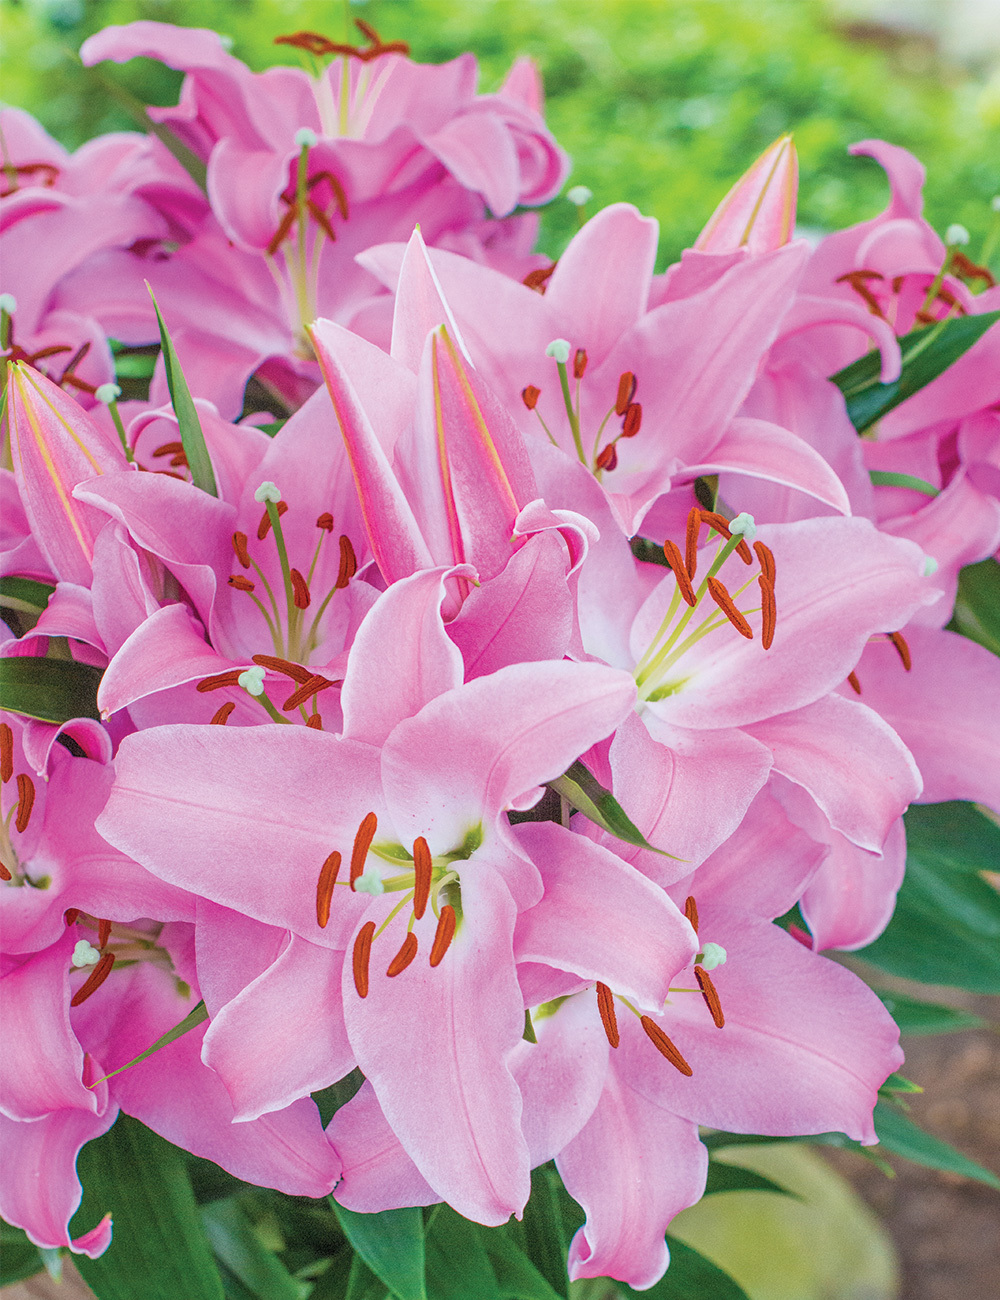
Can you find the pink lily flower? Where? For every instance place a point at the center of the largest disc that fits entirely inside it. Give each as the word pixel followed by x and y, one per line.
pixel 591 366
pixel 426 768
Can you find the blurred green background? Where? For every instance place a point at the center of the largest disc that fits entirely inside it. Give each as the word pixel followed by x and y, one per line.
pixel 660 102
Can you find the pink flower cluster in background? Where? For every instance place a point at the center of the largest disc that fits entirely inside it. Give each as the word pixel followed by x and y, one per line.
pixel 426 576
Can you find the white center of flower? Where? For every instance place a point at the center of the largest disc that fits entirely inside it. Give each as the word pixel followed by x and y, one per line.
pixel 85 954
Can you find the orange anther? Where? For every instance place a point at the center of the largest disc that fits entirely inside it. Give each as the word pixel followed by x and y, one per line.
pixel 902 649
pixel 626 391
pixel 362 843
pixel 538 278
pixel 324 888
pixel 240 583
pixel 855 683
pixel 240 547
pixel 423 868
pixel 264 527
pixel 70 916
pixel 315 722
pixel 691 912
pixel 717 590
pixel 221 715
pixel 579 363
pixel 691 541
pixel 309 688
pixel 608 459
pixel 325 521
pixel 765 558
pixel 768 612
pixel 633 420
pixel 6 752
pixel 348 563
pixel 711 996
pixel 25 800
pixel 606 1006
pixel 103 932
pixel 300 590
pixel 443 935
pixel 275 665
pixel 219 680
pixel 673 556
pixel 94 981
pixel 530 396
pixel 5 873
pixel 405 955
pixel 663 1045
pixel 362 952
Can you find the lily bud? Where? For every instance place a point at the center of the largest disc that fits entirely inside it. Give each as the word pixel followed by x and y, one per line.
pixel 758 213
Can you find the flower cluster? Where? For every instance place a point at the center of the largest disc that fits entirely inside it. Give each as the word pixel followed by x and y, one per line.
pixel 472 728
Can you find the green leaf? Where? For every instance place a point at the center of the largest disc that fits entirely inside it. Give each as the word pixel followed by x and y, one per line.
pixel 690 1277
pixel 977 605
pixel 391 1244
pixel 915 1017
pixel 927 353
pixel 517 1277
pixel 889 478
pixel 946 926
pixel 24 594
pixel 192 437
pixel 362 1283
pixel 51 690
pixel 723 1177
pixel 159 1251
pixel 898 1133
pixel 19 1258
pixel 541 1233
pixel 237 1244
pixel 897 1084
pixel 196 1016
pixel 586 794
pixel 458 1267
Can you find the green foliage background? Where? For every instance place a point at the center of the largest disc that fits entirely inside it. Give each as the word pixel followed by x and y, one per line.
pixel 659 102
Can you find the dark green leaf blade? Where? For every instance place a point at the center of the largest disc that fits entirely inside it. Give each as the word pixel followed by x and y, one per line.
pixel 585 793
pixel 898 1133
pixel 916 1017
pixel 724 1177
pixel 690 1277
pixel 51 690
pixel 458 1267
pixel 517 1277
pixel 392 1246
pixel 542 1231
pixel 946 926
pixel 927 353
pixel 237 1244
pixel 158 1251
pixel 19 1258
pixel 977 605
pixel 24 594
pixel 192 437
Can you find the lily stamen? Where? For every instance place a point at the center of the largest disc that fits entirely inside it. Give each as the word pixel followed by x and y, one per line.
pixel 362 843
pixel 665 1046
pixel 25 801
pixel 94 980
pixel 360 957
pixel 710 994
pixel 324 888
pixel 406 954
pixel 443 935
pixel 606 1006
pixel 423 868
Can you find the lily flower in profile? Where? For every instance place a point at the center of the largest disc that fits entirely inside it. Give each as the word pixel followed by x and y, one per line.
pixel 758 213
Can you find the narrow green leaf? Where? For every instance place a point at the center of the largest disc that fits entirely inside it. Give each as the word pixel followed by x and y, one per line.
pixel 723 1177
pixel 897 1084
pixel 51 690
pixel 977 605
pixel 517 1277
pixel 19 1258
pixel 24 594
pixel 237 1244
pixel 889 478
pixel 898 1133
pixel 927 353
pixel 159 1251
pixel 391 1244
pixel 458 1267
pixel 197 1016
pixel 691 1276
pixel 192 437
pixel 915 1017
pixel 362 1283
pixel 585 793
pixel 946 925
pixel 541 1232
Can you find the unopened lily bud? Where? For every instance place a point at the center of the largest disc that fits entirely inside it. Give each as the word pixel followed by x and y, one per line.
pixel 267 492
pixel 252 680
pixel 305 139
pixel 579 195
pixel 758 213
pixel 107 393
pixel 956 234
pixel 559 350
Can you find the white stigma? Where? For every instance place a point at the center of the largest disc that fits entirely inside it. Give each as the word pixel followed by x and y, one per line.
pixel 559 350
pixel 712 955
pixel 995 202
pixel 8 303
pixel 744 525
pixel 85 954
pixel 930 566
pixel 305 139
pixel 579 195
pixel 370 883
pixel 956 234
pixel 267 492
pixel 107 393
pixel 252 680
